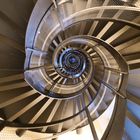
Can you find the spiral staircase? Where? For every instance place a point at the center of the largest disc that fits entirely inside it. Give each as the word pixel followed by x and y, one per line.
pixel 66 65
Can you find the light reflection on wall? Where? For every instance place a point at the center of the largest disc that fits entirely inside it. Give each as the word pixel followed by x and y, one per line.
pixel 100 124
